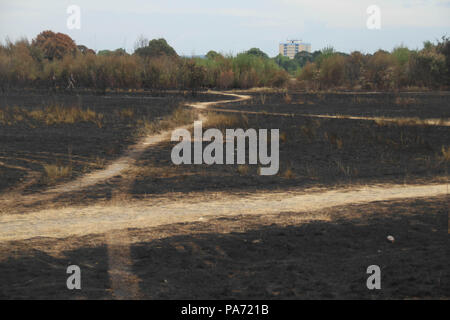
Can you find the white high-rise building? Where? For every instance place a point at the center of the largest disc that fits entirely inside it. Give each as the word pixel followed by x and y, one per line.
pixel 291 47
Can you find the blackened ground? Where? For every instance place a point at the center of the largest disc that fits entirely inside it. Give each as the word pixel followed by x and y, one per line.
pixel 314 152
pixel 25 148
pixel 433 105
pixel 319 255
pixel 326 153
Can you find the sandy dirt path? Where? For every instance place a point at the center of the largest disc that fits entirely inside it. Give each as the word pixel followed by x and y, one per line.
pixel 77 221
pixel 414 121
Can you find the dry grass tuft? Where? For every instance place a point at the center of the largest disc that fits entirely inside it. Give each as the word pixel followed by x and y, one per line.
pixel 333 139
pixel 339 143
pixel 180 116
pixel 243 169
pixel 98 163
pixel 405 101
pixel 288 173
pixel 261 89
pixel 445 153
pixel 287 98
pixel 345 170
pixel 50 115
pixel 126 113
pixel 309 132
pixel 300 101
pixel 262 98
pixel 227 121
pixel 54 172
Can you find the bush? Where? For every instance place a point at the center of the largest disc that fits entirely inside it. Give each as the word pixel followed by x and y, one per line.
pixel 332 71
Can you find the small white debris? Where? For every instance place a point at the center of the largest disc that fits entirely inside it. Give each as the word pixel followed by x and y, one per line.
pixel 391 239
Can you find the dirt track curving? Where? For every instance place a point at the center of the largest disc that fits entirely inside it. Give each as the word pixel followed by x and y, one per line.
pixel 139 214
pixel 116 167
pixel 100 219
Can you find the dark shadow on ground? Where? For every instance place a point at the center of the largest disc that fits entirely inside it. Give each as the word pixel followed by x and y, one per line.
pixel 254 257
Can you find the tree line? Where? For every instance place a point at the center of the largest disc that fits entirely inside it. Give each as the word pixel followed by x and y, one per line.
pixel 402 68
pixel 54 60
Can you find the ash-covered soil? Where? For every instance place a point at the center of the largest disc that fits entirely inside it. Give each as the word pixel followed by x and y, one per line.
pixel 298 255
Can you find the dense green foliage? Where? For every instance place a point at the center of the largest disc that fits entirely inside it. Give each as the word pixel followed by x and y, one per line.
pixel 156 48
pixel 117 52
pixel 242 71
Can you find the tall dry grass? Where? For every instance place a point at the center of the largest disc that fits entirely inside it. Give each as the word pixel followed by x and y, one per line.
pixel 54 172
pixel 50 115
pixel 227 121
pixel 180 116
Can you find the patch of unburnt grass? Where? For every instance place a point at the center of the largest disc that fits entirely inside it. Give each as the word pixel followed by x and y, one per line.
pixel 49 115
pixel 227 121
pixel 55 172
pixel 181 116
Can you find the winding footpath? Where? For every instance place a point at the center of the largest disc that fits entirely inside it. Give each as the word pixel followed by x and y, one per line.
pixel 78 221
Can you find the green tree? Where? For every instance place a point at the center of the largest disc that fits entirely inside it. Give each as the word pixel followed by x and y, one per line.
pixel 428 67
pixel 443 47
pixel 401 54
pixel 156 48
pixel 116 53
pixel 213 55
pixel 290 65
pixel 257 52
pixel 303 57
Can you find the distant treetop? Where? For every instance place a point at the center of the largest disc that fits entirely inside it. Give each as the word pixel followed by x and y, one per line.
pixel 54 45
pixel 213 54
pixel 155 48
pixel 117 52
pixel 85 50
pixel 257 52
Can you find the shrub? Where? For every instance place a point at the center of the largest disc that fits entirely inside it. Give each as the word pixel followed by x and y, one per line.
pixel 332 71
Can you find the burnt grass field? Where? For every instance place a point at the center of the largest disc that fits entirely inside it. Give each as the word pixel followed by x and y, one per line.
pixel 321 152
pixel 314 152
pixel 251 257
pixel 113 122
pixel 240 257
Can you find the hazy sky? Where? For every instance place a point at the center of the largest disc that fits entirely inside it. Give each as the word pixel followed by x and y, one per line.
pixel 197 26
